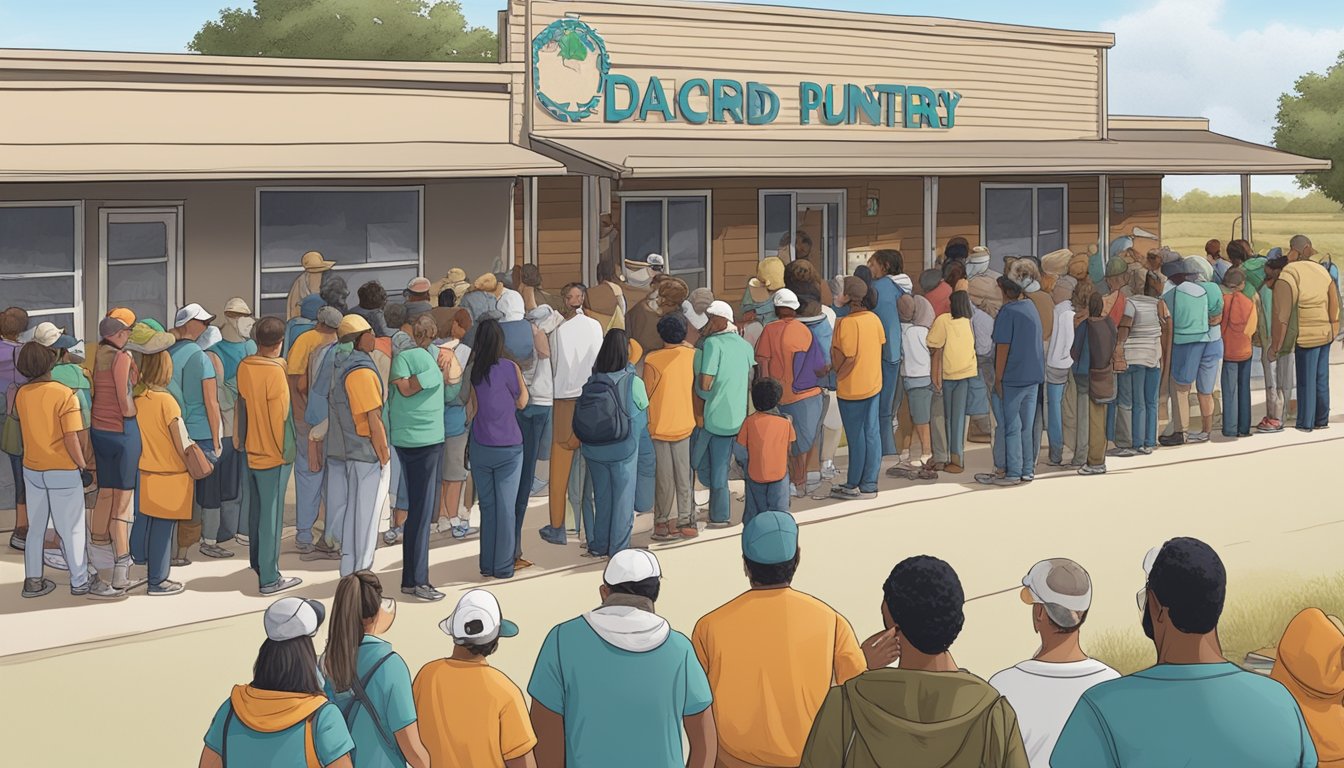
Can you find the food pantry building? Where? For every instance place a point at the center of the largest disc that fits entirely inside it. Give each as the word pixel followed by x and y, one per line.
pixel 713 134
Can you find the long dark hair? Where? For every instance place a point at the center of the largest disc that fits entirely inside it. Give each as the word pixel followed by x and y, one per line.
pixel 961 305
pixel 487 350
pixel 288 666
pixel 615 352
pixel 359 597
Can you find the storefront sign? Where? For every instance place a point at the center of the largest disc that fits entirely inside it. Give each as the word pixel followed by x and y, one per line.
pixel 573 81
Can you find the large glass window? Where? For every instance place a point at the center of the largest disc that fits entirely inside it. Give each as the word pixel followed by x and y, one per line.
pixel 675 227
pixel 40 259
pixel 140 261
pixel 804 224
pixel 1023 220
pixel 371 234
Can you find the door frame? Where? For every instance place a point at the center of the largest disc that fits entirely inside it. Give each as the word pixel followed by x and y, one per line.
pixel 841 257
pixel 176 260
pixel 1035 189
pixel 666 196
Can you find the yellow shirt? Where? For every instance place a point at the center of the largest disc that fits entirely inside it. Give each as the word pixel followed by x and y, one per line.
pixel 166 490
pixel 262 384
pixel 957 340
pixel 860 336
pixel 366 394
pixel 668 375
pixel 471 715
pixel 48 410
pixel 771 655
pixel 302 350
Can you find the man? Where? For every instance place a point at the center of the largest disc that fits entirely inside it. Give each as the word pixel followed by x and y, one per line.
pixel 722 368
pixel 1260 291
pixel 1019 372
pixel 669 374
pixel 194 388
pixel 889 284
pixel 615 687
pixel 773 638
pixel 982 285
pixel 1193 707
pixel 1306 319
pixel 236 343
pixel 1044 689
pixel 534 421
pixel 305 322
pixel 1194 312
pixel 928 712
pixel 982 282
pixel 1119 412
pixel 309 478
pixel 1026 272
pixel 529 281
pixel 417 297
pixel 574 347
pixel 789 353
pixel 262 430
pixel 309 282
pixel 1281 388
pixel 606 301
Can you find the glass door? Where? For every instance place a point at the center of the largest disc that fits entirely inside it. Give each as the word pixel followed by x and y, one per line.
pixel 139 260
pixel 804 224
pixel 1023 220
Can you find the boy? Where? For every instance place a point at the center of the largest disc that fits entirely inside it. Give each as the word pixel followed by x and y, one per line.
pixel 1094 345
pixel 764 444
pixel 1240 321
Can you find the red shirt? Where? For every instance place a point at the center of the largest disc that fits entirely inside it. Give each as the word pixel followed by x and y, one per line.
pixel 780 342
pixel 941 298
pixel 767 437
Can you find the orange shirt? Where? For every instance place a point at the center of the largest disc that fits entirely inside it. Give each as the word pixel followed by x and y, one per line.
pixel 1239 324
pixel 48 410
pixel 767 437
pixel 779 343
pixel 860 337
pixel 668 376
pixel 471 715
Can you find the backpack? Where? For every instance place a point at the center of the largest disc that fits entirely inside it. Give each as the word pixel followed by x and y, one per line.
pixel 600 416
pixel 309 746
pixel 518 345
pixel 360 698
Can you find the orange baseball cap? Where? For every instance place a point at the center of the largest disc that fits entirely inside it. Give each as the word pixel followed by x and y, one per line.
pixel 123 314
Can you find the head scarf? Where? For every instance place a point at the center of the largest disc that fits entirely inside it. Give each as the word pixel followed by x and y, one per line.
pixel 1200 267
pixel 511 306
pixel 770 273
pixel 923 314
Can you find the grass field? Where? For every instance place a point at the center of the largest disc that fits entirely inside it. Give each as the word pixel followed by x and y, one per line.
pixel 1187 232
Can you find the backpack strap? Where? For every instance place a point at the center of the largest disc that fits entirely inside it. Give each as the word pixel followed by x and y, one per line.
pixel 309 744
pixel 359 690
pixel 224 740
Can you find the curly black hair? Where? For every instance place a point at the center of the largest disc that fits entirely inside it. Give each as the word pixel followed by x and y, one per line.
pixel 770 574
pixel 1189 580
pixel 766 393
pixel 924 597
pixel 672 329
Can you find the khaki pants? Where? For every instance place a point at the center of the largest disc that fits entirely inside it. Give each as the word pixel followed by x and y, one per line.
pixel 673 501
pixel 1096 433
pixel 1076 422
pixel 562 430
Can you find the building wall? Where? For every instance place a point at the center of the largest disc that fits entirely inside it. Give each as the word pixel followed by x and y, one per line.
pixel 560 230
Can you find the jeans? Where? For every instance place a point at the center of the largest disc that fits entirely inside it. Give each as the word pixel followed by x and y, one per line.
pixel 497 473
pixel 1144 386
pixel 939 430
pixel 56 496
pixel 266 517
pixel 674 502
pixel 532 421
pixel 421 468
pixel 354 492
pixel 1313 386
pixel 309 493
pixel 614 500
pixel 765 497
pixel 1119 414
pixel 955 394
pixel 860 418
pixel 204 505
pixel 646 474
pixel 1015 416
pixel 1236 398
pixel 229 470
pixel 1054 420
pixel 579 494
pixel 886 409
pixel 714 452
pixel 161 536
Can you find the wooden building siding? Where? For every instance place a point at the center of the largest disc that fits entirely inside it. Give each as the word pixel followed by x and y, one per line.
pixel 560 230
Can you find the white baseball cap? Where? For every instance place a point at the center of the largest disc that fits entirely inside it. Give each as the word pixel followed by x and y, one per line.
pixel 477 621
pixel 46 334
pixel 631 565
pixel 785 298
pixel 720 309
pixel 291 617
pixel 655 260
pixel 192 312
pixel 1063 587
pixel 1149 559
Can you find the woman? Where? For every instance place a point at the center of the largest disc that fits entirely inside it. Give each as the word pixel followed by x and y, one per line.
pixel 758 308
pixel 612 466
pixel 1148 354
pixel 952 341
pixel 917 319
pixel 166 490
pixel 115 435
pixel 451 325
pixel 856 357
pixel 283 718
pixel 367 680
pixel 496 447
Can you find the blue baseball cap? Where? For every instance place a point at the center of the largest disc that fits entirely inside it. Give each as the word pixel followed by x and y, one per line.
pixel 770 538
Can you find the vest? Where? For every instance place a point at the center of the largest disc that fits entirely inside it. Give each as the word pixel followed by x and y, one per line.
pixel 343 442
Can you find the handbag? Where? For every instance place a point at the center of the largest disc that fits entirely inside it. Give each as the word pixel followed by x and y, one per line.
pixel 11 433
pixel 197 463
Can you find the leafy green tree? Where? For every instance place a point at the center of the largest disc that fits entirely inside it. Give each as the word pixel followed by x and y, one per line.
pixel 381 30
pixel 1311 123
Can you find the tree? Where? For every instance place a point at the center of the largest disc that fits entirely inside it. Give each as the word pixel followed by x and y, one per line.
pixel 1311 123
pixel 380 30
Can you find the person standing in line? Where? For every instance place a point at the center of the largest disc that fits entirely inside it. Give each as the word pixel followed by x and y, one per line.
pixel 1094 346
pixel 166 490
pixel 315 270
pixel 889 284
pixel 13 322
pixel 309 474
pixel 115 436
pixel 209 499
pixel 1193 313
pixel 416 417
pixel 416 298
pixel 1239 324
pixel 372 299
pixel 917 389
pixel 1305 296
pixel 856 354
pixel 1061 398
pixel 498 393
pixel 669 375
pixel 1206 383
pixel 235 344
pixel 977 389
pixel 534 421
pixel 953 367
pixel 789 353
pixel 368 681
pixel 574 348
pixel 611 462
pixel 1026 272
pixel 763 447
pixel 194 386
pixel 453 357
pixel 1285 367
pixel 1147 356
pixel 265 428
pixel 1119 412
pixel 1019 371
pixel 306 321
pixel 723 370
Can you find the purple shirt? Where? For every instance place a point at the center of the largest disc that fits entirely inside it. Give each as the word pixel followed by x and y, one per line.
pixel 496 422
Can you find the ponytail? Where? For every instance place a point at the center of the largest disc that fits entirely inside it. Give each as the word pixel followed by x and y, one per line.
pixel 358 599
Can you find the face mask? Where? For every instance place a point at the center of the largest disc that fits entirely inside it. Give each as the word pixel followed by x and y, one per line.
pixel 210 338
pixel 638 277
pixel 244 325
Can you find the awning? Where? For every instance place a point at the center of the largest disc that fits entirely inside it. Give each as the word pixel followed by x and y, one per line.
pixel 1124 152
pixel 161 162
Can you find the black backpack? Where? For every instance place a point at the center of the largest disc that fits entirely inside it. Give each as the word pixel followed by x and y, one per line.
pixel 600 416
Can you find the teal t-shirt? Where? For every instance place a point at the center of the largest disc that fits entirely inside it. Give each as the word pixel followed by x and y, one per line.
pixel 190 371
pixel 1191 715
pixel 1189 305
pixel 621 708
pixel 1213 296
pixel 390 692
pixel 728 358
pixel 282 749
pixel 417 421
pixel 72 376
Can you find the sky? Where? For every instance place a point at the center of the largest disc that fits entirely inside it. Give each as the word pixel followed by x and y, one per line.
pixel 1228 60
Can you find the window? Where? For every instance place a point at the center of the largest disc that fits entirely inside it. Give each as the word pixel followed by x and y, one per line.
pixel 41 259
pixel 804 224
pixel 372 233
pixel 1023 220
pixel 676 227
pixel 139 261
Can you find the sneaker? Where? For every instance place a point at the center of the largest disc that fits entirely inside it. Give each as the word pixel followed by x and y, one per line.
pixel 719 526
pixel 1054 463
pixel 690 532
pixel 844 492
pixel 1197 437
pixel 954 468
pixel 243 539
pixel 1007 482
pixel 552 535
pixel 123 579
pixel 1099 469
pixel 218 552
pixel 663 532
pixel 1146 450
pixel 392 536
pixel 986 478
pixel 867 495
pixel 1172 440
pixel 302 547
pixel 828 471
pixel 427 593
pixel 98 589
pixel 54 559
pixel 17 540
pixel 1122 453
pixel 1028 478
pixel 1269 425
pixel 179 562
pixel 811 488
pixel 284 582
pixel 38 587
pixel 166 587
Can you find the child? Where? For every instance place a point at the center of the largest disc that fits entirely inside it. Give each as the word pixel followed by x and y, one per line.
pixel 916 377
pixel 766 439
pixel 1240 320
pixel 1094 347
pixel 954 367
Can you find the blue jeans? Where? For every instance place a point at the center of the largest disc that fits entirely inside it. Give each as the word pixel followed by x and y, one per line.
pixel 1313 386
pixel 160 541
pixel 1054 420
pixel 421 469
pixel 886 409
pixel 860 418
pixel 497 473
pixel 139 528
pixel 713 454
pixel 1119 413
pixel 309 494
pixel 614 499
pixel 1236 398
pixel 532 420
pixel 955 395
pixel 646 474
pixel 1145 383
pixel 765 497
pixel 1015 417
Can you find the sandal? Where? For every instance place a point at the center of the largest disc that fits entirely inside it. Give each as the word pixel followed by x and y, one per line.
pixel 927 472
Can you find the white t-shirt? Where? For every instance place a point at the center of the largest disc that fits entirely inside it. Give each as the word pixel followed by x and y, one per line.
pixel 1059 352
pixel 1044 694
pixel 574 347
pixel 916 362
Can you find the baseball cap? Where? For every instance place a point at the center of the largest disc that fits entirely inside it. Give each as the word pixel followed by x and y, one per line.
pixel 291 617
pixel 770 538
pixel 237 306
pixel 46 334
pixel 418 284
pixel 631 565
pixel 477 620
pixel 785 298
pixel 979 255
pixel 191 312
pixel 655 260
pixel 110 326
pixel 1063 587
pixel 313 262
pixel 329 317
pixel 720 309
pixel 126 316
pixel 352 324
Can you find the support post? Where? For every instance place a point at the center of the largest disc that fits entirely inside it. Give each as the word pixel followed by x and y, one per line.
pixel 1103 214
pixel 930 221
pixel 1246 207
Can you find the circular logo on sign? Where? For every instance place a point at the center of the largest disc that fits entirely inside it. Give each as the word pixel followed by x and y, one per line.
pixel 569 66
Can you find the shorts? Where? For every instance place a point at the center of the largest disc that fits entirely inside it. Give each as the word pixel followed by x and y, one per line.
pixel 1209 365
pixel 921 404
pixel 455 459
pixel 806 415
pixel 20 487
pixel 1185 362
pixel 118 456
